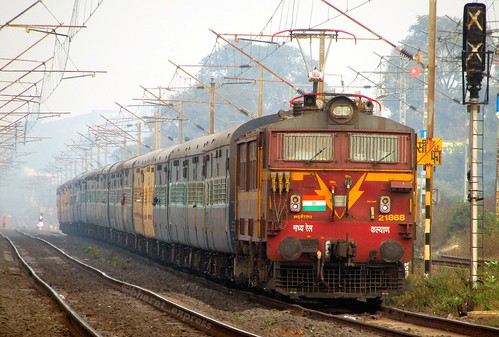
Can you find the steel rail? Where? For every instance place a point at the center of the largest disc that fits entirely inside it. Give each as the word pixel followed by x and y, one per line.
pixel 353 323
pixel 455 261
pixel 450 325
pixel 190 317
pixel 79 323
pixel 308 312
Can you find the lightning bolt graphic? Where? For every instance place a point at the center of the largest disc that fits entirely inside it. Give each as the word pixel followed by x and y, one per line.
pixel 356 192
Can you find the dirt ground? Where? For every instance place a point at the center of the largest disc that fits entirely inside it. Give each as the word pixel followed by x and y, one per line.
pixel 24 311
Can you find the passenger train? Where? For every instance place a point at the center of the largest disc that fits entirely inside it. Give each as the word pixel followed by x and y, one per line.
pixel 314 203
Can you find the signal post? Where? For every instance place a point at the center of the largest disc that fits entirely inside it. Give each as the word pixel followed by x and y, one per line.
pixel 475 64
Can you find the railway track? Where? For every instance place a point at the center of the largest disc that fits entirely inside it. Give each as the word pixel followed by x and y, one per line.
pixel 395 322
pixel 388 322
pixel 110 306
pixel 454 261
pixel 42 312
pixel 449 325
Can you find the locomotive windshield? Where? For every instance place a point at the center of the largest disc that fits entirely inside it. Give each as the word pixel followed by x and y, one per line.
pixel 374 147
pixel 306 146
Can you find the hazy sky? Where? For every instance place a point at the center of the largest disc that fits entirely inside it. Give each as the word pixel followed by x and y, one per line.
pixel 132 41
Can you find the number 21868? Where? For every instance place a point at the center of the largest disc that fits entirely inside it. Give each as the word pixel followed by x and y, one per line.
pixel 391 217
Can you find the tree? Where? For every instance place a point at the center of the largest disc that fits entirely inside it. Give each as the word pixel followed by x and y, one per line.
pixel 460 218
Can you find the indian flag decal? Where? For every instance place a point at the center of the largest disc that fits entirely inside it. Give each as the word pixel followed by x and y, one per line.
pixel 314 203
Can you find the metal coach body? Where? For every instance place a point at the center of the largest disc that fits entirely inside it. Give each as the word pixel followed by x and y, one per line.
pixel 160 197
pixel 201 193
pixel 120 196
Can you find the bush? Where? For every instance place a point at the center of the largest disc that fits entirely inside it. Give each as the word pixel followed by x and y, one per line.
pixel 445 288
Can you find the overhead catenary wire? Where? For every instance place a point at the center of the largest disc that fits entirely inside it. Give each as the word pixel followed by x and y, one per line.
pixel 402 51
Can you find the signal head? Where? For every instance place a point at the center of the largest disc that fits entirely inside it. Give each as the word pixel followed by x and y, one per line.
pixel 474 37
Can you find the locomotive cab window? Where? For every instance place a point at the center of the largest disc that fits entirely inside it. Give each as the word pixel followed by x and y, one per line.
pixel 306 146
pixel 375 148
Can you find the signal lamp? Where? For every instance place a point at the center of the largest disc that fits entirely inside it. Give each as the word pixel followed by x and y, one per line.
pixel 295 203
pixel 384 204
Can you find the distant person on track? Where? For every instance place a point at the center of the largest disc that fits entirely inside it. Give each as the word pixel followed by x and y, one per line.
pixel 4 221
pixel 40 222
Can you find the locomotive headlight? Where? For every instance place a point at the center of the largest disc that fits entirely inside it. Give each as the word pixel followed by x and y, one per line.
pixel 340 109
pixel 384 204
pixel 295 203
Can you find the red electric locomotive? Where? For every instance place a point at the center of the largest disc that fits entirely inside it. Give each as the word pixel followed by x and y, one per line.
pixel 330 191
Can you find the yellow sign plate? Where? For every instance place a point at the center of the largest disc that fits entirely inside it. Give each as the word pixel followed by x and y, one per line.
pixel 429 151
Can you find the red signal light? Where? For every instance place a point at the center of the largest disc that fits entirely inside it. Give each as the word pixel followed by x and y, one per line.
pixel 415 72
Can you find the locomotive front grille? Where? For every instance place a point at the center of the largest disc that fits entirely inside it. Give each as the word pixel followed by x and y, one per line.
pixel 344 281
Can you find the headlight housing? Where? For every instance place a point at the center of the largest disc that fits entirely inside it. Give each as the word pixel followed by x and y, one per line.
pixel 341 109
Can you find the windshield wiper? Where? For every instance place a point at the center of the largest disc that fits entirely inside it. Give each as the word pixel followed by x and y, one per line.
pixel 315 155
pixel 380 160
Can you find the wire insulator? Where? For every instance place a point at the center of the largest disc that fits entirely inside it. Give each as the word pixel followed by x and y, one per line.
pixel 406 53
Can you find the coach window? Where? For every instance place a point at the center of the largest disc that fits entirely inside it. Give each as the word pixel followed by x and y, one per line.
pixel 195 161
pixel 185 169
pixel 243 175
pixel 204 169
pixel 252 167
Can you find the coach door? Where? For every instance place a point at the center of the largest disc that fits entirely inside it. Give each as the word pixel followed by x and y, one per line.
pixel 248 195
pixel 138 200
pixel 147 206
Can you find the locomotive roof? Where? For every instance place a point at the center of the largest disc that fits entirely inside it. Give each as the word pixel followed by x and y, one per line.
pixel 320 120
